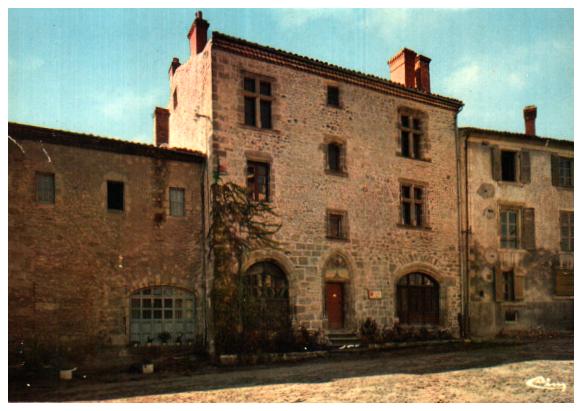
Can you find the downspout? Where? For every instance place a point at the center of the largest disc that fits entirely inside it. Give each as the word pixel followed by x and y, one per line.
pixel 204 246
pixel 467 233
pixel 461 238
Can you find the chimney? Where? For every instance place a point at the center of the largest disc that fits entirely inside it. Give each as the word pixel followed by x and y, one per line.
pixel 161 126
pixel 529 114
pixel 422 73
pixel 402 67
pixel 174 66
pixel 198 34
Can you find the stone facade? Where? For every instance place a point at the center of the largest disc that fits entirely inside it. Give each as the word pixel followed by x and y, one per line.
pixel 74 264
pixel 537 260
pixel 379 249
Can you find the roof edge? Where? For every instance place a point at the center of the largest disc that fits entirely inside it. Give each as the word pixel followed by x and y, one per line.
pixel 234 44
pixel 468 131
pixel 89 141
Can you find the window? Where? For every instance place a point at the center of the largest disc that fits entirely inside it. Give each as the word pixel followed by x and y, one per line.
pixel 509 228
pixel 159 310
pixel 45 188
pixel 175 98
pixel 567 231
pixel 176 202
pixel 562 171
pixel 337 225
pixel 258 181
pixel 508 286
pixel 412 205
pixel 410 136
pixel 115 195
pixel 333 96
pixel 517 227
pixel 508 166
pixel 417 299
pixel 334 154
pixel 261 95
pixel 565 283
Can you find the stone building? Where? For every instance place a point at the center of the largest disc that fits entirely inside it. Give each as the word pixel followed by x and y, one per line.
pixel 104 241
pixel 520 210
pixel 361 170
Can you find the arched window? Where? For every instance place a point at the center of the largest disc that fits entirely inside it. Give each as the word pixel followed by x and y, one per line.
pixel 417 298
pixel 266 298
pixel 156 311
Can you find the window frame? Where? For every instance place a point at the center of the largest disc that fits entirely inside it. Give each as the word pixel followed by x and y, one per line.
pixel 516 166
pixel 415 136
pixel 343 228
pixel 37 186
pixel 255 194
pixel 259 99
pixel 503 241
pixel 413 202
pixel 172 202
pixel 563 180
pixel 567 217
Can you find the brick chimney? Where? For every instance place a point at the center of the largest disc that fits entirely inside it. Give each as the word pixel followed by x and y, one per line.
pixel 161 126
pixel 529 115
pixel 198 34
pixel 402 67
pixel 422 73
pixel 174 66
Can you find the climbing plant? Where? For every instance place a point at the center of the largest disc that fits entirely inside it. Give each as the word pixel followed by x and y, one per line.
pixel 238 226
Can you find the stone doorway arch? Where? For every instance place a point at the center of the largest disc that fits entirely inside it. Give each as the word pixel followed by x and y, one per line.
pixel 337 292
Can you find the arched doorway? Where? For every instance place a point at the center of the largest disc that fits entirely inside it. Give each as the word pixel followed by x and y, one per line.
pixel 266 298
pixel 157 310
pixel 417 299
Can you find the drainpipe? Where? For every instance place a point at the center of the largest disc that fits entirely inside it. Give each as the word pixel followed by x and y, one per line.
pixel 461 233
pixel 467 235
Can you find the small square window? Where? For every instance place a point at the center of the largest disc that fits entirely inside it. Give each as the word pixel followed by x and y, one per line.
pixel 510 316
pixel 337 225
pixel 115 194
pixel 45 188
pixel 333 96
pixel 265 88
pixel 250 84
pixel 176 202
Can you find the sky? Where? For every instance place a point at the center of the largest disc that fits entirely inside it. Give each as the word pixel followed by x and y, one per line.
pixel 102 71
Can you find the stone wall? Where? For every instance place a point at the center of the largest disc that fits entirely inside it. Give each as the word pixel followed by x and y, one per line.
pixel 378 250
pixel 73 265
pixel 540 307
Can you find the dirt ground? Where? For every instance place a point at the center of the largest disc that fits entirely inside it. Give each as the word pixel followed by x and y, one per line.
pixel 486 372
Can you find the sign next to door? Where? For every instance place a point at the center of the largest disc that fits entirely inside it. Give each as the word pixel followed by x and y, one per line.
pixel 374 294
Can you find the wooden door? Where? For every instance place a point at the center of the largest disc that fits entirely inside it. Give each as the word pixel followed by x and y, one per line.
pixel 334 298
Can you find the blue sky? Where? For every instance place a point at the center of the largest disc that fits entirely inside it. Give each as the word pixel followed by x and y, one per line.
pixel 103 71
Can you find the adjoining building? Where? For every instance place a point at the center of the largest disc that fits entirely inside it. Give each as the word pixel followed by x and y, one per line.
pixel 520 209
pixel 362 171
pixel 105 241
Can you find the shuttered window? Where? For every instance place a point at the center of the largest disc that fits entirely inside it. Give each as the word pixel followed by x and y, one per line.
pixel 177 202
pixel 567 231
pixel 562 171
pixel 510 165
pixel 565 283
pixel 508 285
pixel 517 228
pixel 45 188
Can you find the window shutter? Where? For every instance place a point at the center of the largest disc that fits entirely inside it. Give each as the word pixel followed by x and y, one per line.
pixel 519 285
pixel 555 170
pixel 524 165
pixel 495 163
pixel 499 284
pixel 572 168
pixel 528 229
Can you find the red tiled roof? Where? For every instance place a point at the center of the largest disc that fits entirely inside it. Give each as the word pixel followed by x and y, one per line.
pixel 518 136
pixel 296 61
pixel 89 141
